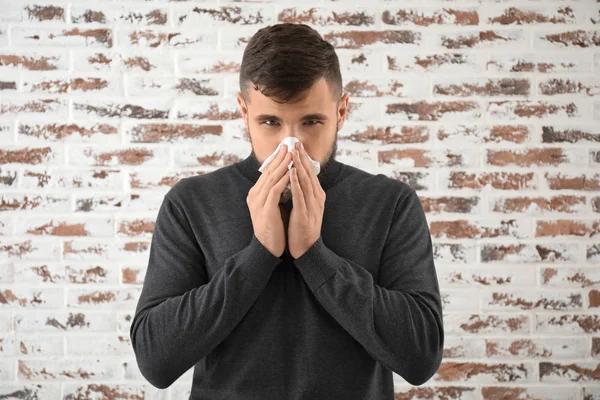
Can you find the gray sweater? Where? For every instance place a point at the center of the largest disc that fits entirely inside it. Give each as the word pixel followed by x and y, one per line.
pixel 362 302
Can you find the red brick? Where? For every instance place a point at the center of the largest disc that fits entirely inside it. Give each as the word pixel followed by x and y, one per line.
pixel 570 39
pixel 445 392
pixel 437 62
pixel 156 133
pixel 531 300
pixel 570 181
pixel 435 111
pixel 528 109
pixel 539 205
pixel 484 372
pixel 495 180
pixel 567 323
pixel 223 15
pixel 570 277
pixel 60 132
pixel 481 87
pixel 535 62
pixel 431 16
pixel 536 348
pixel 109 14
pixel 363 39
pixel 482 39
pixel 478 324
pixel 528 253
pixel 534 15
pixel 60 369
pixel 148 38
pixel 530 393
pixel 583 371
pixel 319 16
pixel 43 36
pixel 34 61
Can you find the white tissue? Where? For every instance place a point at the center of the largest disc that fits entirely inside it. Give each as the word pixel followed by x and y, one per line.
pixel 290 142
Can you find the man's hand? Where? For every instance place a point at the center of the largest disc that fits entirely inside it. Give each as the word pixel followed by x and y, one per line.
pixel 263 199
pixel 309 203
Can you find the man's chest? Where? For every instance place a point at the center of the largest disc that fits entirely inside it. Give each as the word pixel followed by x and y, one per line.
pixel 225 234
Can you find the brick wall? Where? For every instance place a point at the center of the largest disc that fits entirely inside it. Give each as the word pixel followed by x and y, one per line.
pixel 489 109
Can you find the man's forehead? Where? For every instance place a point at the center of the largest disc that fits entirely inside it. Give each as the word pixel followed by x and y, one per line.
pixel 312 100
pixel 261 104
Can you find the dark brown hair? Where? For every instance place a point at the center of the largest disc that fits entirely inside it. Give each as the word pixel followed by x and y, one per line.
pixel 286 59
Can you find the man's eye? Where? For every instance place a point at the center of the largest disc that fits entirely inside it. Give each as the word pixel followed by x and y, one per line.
pixel 314 122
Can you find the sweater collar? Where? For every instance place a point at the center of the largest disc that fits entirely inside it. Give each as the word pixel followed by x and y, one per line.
pixel 329 173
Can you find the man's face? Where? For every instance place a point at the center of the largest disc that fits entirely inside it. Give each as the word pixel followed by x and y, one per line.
pixel 314 121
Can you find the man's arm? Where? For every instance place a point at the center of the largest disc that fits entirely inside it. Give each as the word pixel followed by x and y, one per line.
pixel 398 322
pixel 181 316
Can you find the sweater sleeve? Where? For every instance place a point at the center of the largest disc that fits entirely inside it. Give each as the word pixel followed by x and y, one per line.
pixel 181 315
pixel 399 319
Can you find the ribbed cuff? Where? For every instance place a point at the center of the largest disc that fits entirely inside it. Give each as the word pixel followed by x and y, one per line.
pixel 317 265
pixel 257 262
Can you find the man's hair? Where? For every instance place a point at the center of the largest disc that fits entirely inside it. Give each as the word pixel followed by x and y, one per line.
pixel 286 59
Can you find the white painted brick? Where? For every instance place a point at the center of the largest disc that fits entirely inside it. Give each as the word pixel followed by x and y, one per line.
pixel 67 37
pixel 16 249
pixel 104 345
pixel 64 369
pixel 70 178
pixel 64 321
pixel 32 298
pixel 118 14
pixel 40 390
pixel 65 226
pixel 168 39
pixel 105 298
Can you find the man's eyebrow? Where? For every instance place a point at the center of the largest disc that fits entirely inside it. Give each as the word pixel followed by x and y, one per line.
pixel 264 117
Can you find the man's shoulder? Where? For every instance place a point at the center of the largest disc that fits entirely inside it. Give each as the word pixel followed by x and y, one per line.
pixel 379 182
pixel 197 185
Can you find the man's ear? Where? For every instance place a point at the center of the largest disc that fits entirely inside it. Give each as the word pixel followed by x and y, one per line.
pixel 243 108
pixel 342 110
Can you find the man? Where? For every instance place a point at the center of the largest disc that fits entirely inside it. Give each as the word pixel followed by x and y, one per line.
pixel 323 306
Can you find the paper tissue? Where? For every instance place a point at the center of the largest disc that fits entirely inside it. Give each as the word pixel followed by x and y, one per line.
pixel 290 142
